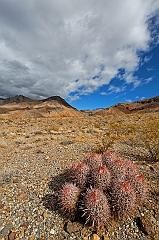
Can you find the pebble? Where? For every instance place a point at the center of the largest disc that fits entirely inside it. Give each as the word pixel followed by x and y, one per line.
pixel 7 228
pixel 73 227
pixel 147 226
pixel 22 196
pixel 3 143
pixel 94 237
pixel 11 235
pixel 52 231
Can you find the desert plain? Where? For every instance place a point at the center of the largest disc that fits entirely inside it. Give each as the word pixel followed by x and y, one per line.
pixel 36 152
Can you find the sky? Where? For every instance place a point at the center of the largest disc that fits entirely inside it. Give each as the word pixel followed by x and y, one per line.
pixel 93 54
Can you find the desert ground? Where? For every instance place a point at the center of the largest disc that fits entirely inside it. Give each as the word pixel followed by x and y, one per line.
pixel 36 152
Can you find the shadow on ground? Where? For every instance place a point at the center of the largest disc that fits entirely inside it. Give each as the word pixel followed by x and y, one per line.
pixel 50 201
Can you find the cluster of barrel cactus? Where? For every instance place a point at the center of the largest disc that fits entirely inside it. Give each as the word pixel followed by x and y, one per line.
pixel 103 186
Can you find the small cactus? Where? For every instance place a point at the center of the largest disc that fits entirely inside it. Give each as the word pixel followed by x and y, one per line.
pixel 131 169
pixel 141 187
pixel 117 168
pixel 69 196
pixel 100 177
pixel 96 208
pixel 108 157
pixel 79 173
pixel 93 160
pixel 137 180
pixel 123 197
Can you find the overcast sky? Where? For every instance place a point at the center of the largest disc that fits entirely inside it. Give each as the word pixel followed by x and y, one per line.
pixel 74 48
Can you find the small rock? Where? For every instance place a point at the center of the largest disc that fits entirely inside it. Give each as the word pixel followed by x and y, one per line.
pixel 55 132
pixel 3 143
pixel 66 142
pixel 85 238
pixel 22 196
pixel 1 206
pixel 16 180
pixel 7 228
pixel 11 235
pixel 20 140
pixel 52 231
pixel 146 226
pixel 1 228
pixel 32 237
pixel 157 216
pixel 46 215
pixel 85 232
pixel 94 237
pixel 105 237
pixel 73 227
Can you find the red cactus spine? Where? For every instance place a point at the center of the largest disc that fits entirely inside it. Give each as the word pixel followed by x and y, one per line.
pixel 141 186
pixel 117 169
pixel 100 177
pixel 96 208
pixel 131 169
pixel 69 196
pixel 123 197
pixel 93 160
pixel 108 157
pixel 79 173
pixel 137 180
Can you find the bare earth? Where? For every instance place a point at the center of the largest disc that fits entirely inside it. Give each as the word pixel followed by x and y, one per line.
pixel 34 153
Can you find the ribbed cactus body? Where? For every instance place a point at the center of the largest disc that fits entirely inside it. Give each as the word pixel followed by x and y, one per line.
pixel 96 208
pixel 93 160
pixel 69 196
pixel 100 177
pixel 79 173
pixel 123 197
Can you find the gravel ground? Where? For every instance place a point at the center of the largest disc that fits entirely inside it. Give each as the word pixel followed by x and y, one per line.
pixel 34 155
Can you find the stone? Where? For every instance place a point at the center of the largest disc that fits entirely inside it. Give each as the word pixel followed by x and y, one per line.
pixel 46 215
pixel 31 237
pixel 16 180
pixel 11 235
pixel 22 196
pixel 66 142
pixel 105 237
pixel 73 227
pixel 94 237
pixel 52 231
pixel 146 226
pixel 1 205
pixel 3 143
pixel 7 228
pixel 86 238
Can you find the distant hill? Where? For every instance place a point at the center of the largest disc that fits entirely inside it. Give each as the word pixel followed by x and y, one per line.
pixel 23 107
pixel 21 98
pixel 140 106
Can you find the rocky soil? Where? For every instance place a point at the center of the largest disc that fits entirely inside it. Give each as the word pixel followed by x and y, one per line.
pixel 34 155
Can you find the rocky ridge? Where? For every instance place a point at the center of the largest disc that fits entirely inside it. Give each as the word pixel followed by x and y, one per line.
pixel 55 106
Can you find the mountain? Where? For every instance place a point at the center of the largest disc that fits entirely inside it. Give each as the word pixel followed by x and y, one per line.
pixel 23 107
pixel 21 98
pixel 140 106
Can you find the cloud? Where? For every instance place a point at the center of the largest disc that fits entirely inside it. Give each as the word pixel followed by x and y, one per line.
pixel 74 98
pixel 61 47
